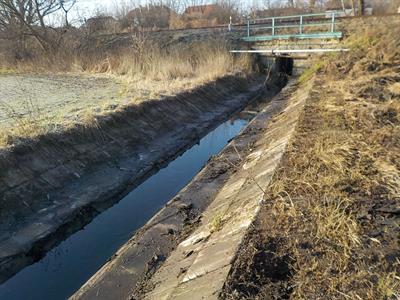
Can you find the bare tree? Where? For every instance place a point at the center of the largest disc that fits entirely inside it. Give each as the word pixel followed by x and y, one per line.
pixel 361 7
pixel 66 6
pixel 28 17
pixel 353 7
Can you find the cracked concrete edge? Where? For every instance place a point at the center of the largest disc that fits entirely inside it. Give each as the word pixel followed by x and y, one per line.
pixel 198 267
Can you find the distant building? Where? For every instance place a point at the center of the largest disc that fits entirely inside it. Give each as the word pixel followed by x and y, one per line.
pixel 101 24
pixel 339 12
pixel 277 12
pixel 149 16
pixel 201 11
pixel 348 11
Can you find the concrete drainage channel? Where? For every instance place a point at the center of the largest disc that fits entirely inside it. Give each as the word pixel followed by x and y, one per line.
pixel 71 263
pixel 68 265
pixel 185 250
pixel 199 266
pixel 53 186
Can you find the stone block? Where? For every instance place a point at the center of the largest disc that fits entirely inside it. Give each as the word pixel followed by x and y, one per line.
pixel 14 177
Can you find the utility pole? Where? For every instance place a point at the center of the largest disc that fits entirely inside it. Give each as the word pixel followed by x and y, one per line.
pixel 353 7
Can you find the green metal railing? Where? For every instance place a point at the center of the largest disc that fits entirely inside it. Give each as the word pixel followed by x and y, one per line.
pixel 300 22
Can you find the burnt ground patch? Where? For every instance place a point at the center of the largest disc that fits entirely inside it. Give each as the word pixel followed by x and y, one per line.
pixel 264 270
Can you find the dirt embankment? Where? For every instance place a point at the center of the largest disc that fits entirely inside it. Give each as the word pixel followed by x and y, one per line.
pixel 164 39
pixel 68 178
pixel 329 226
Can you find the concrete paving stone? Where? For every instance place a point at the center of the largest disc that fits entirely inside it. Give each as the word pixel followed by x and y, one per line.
pixel 8 248
pixel 14 177
pixel 168 279
pixel 57 176
pixel 206 287
pixel 252 159
pixel 76 167
pixel 213 256
pixel 95 156
pixel 61 213
pixel 3 186
pixel 83 148
pixel 34 188
pixel 230 189
pixel 32 232
pixel 39 164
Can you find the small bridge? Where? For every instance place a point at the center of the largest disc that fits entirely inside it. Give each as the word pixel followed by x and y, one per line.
pixel 308 26
pixel 296 37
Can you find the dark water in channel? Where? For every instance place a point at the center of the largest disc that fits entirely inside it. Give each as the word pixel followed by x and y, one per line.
pixel 69 265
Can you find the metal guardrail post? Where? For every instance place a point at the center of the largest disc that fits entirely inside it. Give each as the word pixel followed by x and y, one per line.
pixel 248 27
pixel 301 24
pixel 273 26
pixel 333 22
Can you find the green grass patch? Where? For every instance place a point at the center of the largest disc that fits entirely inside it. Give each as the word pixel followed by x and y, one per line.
pixel 6 71
pixel 363 41
pixel 309 73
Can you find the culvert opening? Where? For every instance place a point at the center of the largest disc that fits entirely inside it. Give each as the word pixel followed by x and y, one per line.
pixel 284 65
pixel 280 64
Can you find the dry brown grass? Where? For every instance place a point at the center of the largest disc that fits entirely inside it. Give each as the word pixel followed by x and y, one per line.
pixel 31 123
pixel 142 67
pixel 143 59
pixel 333 204
pixel 336 173
pixel 180 68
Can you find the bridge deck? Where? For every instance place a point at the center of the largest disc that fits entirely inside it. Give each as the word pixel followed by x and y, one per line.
pixel 300 27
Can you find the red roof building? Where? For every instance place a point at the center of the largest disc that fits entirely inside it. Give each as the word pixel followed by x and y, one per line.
pixel 201 11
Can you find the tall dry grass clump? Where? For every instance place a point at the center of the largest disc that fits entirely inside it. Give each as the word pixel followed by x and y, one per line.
pixel 145 60
pixel 141 58
pixel 343 170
